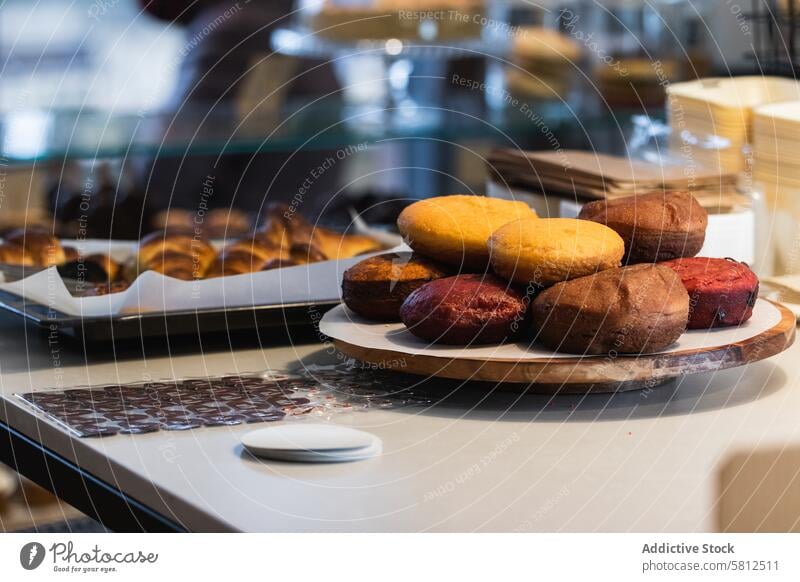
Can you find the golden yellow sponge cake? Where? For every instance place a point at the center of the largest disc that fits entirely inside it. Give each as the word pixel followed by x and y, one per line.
pixel 548 250
pixel 455 229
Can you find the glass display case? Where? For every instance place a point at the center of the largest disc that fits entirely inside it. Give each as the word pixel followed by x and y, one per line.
pixel 634 49
pixel 391 58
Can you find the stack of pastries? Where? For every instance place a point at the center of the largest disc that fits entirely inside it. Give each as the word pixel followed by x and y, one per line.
pixel 283 239
pixel 622 278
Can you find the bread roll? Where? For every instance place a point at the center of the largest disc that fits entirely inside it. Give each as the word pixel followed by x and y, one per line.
pixel 245 256
pixel 337 246
pixel 655 227
pixel 174 220
pixel 44 248
pixel 544 251
pixel 376 287
pixel 176 264
pixel 465 310
pixel 276 228
pixel 454 229
pixel 722 292
pixel 226 223
pixel 306 252
pixel 627 310
pixel 305 242
pixel 178 255
pixel 11 254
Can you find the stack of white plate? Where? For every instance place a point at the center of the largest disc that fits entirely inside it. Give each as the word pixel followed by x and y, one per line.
pixel 312 443
pixel 712 119
pixel 776 143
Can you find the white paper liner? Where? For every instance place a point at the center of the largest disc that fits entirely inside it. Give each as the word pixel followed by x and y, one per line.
pixel 153 292
pixel 342 324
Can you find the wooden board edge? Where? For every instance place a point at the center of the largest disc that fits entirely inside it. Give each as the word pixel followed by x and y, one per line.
pixel 623 370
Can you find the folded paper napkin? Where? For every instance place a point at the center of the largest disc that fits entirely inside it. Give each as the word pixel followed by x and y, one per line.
pixel 592 175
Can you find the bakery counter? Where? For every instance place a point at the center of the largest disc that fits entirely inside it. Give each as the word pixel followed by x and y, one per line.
pixel 476 459
pixel 307 125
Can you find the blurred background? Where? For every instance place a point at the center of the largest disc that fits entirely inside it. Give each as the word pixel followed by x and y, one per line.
pixel 118 99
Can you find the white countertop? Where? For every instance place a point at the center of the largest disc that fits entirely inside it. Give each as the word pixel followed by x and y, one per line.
pixel 475 462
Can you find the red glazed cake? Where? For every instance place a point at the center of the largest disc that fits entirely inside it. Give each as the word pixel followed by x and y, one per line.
pixel 722 292
pixel 466 309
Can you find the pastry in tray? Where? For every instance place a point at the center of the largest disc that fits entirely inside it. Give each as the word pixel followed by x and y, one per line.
pixel 284 239
pixel 214 224
pixel 32 247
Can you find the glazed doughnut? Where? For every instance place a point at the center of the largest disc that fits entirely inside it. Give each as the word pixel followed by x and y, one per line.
pixel 454 229
pixel 544 251
pixel 465 309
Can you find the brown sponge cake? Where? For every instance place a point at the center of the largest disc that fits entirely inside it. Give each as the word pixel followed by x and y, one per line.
pixel 628 310
pixel 655 227
pixel 376 287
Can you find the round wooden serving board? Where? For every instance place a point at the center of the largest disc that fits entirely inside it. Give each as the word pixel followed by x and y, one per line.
pixel 389 346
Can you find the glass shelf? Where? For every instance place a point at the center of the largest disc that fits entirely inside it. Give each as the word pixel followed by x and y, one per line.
pixel 33 136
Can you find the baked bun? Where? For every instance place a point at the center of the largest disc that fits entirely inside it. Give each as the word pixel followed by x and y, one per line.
pixel 178 255
pixel 227 223
pixel 308 243
pixel 174 220
pixel 337 246
pixel 376 287
pixel 454 229
pixel 245 256
pixel 44 249
pixel 465 309
pixel 277 226
pixel 629 310
pixel 11 254
pixel 722 292
pixel 655 227
pixel 544 251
